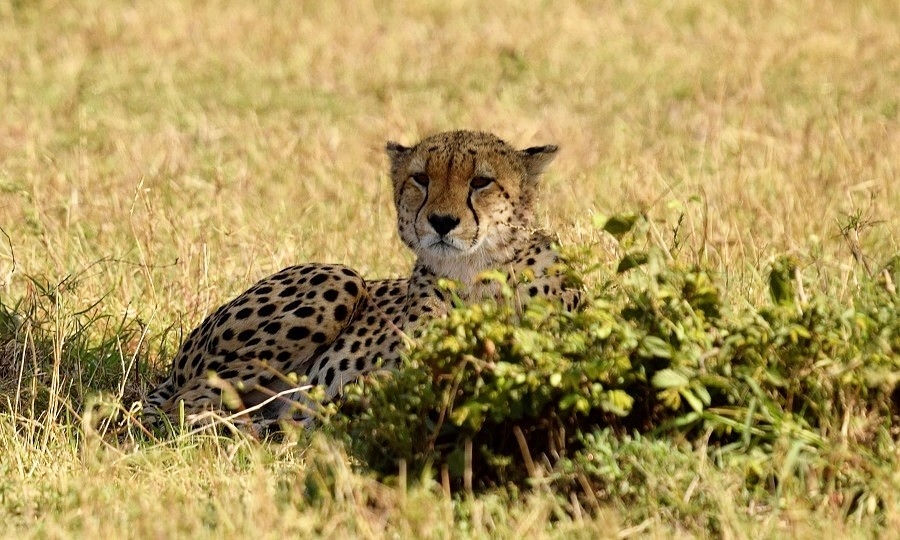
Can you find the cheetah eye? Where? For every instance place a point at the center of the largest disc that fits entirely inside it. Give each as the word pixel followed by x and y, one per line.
pixel 420 178
pixel 481 182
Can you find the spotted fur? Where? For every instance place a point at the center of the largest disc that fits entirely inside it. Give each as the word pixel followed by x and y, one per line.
pixel 464 204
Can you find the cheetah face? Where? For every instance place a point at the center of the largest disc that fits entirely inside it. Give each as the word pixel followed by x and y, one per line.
pixel 463 198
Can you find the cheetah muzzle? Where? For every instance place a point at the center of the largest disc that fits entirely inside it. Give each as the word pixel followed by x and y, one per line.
pixel 464 204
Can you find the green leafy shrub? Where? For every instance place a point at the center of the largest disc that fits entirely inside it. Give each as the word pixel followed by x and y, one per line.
pixel 493 394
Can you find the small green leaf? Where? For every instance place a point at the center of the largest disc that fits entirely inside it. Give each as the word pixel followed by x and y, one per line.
pixel 702 393
pixel 471 413
pixel 573 401
pixel 670 397
pixel 555 379
pixel 632 260
pixel 692 400
pixel 781 281
pixel 619 225
pixel 654 347
pixel 617 402
pixel 669 378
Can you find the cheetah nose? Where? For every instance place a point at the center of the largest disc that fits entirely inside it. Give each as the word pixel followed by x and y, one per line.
pixel 442 224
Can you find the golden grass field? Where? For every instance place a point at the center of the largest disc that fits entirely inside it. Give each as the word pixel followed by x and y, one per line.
pixel 157 158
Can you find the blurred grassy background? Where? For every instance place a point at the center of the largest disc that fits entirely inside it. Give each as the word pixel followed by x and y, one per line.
pixel 194 146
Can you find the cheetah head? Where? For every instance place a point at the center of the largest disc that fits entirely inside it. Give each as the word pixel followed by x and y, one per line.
pixel 465 199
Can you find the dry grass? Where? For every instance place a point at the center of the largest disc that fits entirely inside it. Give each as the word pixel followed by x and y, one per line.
pixel 156 158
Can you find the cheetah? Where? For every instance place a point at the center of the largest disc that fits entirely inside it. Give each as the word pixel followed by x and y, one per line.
pixel 464 203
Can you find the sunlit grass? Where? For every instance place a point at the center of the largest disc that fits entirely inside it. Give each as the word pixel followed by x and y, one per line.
pixel 157 158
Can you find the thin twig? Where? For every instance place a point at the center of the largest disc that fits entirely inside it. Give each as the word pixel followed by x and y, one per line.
pixel 526 454
pixel 467 472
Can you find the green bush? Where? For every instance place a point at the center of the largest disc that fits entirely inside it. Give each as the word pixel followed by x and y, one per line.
pixel 504 395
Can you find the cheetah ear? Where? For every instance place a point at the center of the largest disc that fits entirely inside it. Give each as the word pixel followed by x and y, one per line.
pixel 396 152
pixel 537 158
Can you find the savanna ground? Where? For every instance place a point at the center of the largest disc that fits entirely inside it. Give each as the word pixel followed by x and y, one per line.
pixel 156 158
